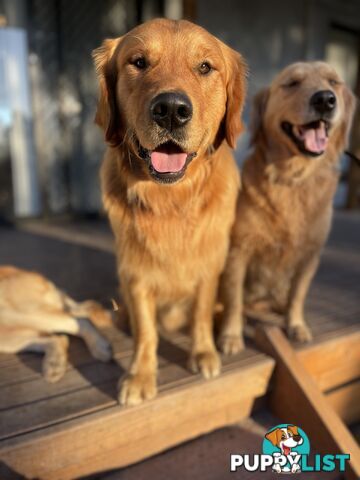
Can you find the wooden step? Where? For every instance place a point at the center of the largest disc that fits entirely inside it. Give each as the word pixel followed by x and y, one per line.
pixel 84 431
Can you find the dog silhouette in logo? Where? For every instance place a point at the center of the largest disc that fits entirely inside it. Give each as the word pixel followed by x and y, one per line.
pixel 286 440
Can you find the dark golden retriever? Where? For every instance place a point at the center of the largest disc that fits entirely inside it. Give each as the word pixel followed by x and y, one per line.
pixel 300 126
pixel 170 102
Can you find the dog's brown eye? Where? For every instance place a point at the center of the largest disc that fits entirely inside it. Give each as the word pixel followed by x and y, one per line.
pixel 333 82
pixel 139 63
pixel 293 83
pixel 205 68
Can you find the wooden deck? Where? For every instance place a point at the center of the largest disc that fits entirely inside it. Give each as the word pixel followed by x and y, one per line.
pixel 75 427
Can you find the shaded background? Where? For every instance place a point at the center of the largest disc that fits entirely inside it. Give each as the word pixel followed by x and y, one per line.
pixel 50 149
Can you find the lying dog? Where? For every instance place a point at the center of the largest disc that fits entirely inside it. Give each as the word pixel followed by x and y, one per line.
pixel 300 127
pixel 33 311
pixel 286 439
pixel 170 102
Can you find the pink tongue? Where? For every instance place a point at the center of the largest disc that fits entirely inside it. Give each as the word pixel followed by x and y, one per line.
pixel 166 162
pixel 315 139
pixel 287 450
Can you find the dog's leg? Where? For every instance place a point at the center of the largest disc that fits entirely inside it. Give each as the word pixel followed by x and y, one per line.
pixel 60 322
pixel 53 346
pixel 204 357
pixel 94 316
pixel 295 322
pixel 140 383
pixel 230 339
pixel 55 361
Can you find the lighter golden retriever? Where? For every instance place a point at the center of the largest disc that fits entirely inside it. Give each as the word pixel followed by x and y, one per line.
pixel 33 311
pixel 300 127
pixel 170 102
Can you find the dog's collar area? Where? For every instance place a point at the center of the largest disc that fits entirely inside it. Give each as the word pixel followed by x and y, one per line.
pixel 166 177
pixel 311 138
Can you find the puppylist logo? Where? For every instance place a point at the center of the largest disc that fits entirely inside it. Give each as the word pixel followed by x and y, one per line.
pixel 286 449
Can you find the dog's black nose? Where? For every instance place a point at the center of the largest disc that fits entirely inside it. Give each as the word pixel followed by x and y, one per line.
pixel 171 110
pixel 323 101
pixel 297 438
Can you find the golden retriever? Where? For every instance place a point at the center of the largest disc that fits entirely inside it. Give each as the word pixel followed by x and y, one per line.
pixel 299 128
pixel 33 311
pixel 170 104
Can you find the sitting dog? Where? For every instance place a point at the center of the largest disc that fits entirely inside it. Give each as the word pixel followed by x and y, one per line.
pixel 299 128
pixel 33 311
pixel 286 439
pixel 170 102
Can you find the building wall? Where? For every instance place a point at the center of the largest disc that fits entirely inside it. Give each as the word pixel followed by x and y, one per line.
pixel 269 34
pixel 70 146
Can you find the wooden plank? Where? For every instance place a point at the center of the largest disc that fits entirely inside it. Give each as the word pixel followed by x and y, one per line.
pixel 61 408
pixel 333 359
pixel 25 393
pixel 295 398
pixel 346 402
pixel 90 389
pixel 16 369
pixel 117 436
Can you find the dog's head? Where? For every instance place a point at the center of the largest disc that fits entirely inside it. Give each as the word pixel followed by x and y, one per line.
pixel 169 91
pixel 285 438
pixel 308 109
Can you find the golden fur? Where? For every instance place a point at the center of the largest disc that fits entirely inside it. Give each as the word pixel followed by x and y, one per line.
pixel 171 240
pixel 284 209
pixel 33 311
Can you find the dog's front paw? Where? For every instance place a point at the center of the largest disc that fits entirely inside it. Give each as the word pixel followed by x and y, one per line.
pixel 55 360
pixel 134 389
pixel 299 333
pixel 208 363
pixel 230 344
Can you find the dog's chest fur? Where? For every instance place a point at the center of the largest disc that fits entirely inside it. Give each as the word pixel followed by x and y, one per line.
pixel 286 224
pixel 173 236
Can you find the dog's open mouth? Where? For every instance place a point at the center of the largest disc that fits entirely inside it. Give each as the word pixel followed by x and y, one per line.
pixel 286 450
pixel 311 138
pixel 167 163
pixel 168 158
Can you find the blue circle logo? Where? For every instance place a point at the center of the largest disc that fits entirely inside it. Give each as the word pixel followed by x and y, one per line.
pixel 289 441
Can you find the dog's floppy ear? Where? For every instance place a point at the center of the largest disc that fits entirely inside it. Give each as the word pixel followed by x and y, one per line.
pixel 236 73
pixel 274 436
pixel 349 110
pixel 107 116
pixel 293 429
pixel 257 113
